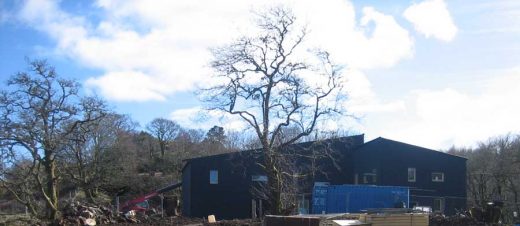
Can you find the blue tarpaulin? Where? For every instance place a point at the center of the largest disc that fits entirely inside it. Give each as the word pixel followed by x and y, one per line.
pixel 355 198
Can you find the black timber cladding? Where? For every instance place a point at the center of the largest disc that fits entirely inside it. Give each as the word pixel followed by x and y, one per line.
pixel 231 197
pixel 391 160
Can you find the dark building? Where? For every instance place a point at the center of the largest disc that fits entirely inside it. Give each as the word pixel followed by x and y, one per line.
pixel 222 184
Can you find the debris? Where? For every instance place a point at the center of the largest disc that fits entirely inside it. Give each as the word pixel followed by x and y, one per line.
pixel 90 222
pixel 459 219
pixel 76 213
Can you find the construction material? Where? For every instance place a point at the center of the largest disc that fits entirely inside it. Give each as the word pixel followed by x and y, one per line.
pixel 212 219
pixel 357 198
pixel 393 219
pixel 349 223
pixel 406 219
pixel 271 220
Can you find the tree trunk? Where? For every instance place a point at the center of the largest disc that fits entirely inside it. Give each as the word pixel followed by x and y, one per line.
pixel 275 193
pixel 90 195
pixel 163 147
pixel 274 183
pixel 52 188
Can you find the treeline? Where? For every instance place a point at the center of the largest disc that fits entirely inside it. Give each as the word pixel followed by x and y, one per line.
pixel 493 173
pixel 55 142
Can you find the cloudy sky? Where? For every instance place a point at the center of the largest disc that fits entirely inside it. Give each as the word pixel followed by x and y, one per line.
pixel 432 73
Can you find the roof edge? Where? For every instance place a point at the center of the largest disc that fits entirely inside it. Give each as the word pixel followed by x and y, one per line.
pixel 428 149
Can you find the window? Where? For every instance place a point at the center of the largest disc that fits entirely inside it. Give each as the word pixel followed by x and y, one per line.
pixel 259 178
pixel 370 178
pixel 213 177
pixel 303 205
pixel 437 177
pixel 411 175
pixel 438 205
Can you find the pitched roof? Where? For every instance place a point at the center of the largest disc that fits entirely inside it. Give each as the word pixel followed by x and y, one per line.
pixel 381 140
pixel 356 139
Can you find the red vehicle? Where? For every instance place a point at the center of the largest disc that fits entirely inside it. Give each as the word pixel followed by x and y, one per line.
pixel 141 203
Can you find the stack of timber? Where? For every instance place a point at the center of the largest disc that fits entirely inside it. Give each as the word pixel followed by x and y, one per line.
pixel 341 219
pixel 297 220
pixel 372 219
pixel 403 219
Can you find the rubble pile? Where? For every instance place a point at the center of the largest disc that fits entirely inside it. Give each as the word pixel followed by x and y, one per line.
pixel 76 213
pixel 459 219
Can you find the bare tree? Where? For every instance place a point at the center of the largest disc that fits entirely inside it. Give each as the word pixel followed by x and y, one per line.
pixel 38 112
pixel 165 131
pixel 87 156
pixel 493 173
pixel 264 84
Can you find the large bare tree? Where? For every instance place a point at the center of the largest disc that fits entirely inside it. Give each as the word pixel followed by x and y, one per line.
pixel 165 131
pixel 38 113
pixel 493 173
pixel 87 156
pixel 272 82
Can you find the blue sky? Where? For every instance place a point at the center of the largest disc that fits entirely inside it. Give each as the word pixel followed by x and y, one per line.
pixel 433 73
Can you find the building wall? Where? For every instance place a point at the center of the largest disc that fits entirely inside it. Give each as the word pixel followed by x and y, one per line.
pixel 230 197
pixel 392 159
pixel 186 190
pixel 388 160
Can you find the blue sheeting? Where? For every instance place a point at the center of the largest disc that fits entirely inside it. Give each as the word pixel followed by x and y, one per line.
pixel 355 198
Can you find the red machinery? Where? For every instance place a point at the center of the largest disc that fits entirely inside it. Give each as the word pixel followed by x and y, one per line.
pixel 134 203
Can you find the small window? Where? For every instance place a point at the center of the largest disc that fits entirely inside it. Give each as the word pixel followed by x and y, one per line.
pixel 437 177
pixel 369 178
pixel 411 175
pixel 438 205
pixel 303 205
pixel 259 178
pixel 213 177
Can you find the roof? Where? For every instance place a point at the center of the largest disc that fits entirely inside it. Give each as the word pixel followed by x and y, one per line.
pixel 332 140
pixel 359 138
pixel 381 139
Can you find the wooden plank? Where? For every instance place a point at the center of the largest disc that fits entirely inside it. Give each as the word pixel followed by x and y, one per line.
pixel 396 219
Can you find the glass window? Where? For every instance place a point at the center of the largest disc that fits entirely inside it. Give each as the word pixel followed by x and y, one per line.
pixel 411 175
pixel 213 177
pixel 303 205
pixel 437 177
pixel 369 178
pixel 259 178
pixel 438 205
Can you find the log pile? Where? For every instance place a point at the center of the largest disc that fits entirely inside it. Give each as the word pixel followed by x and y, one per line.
pixel 88 214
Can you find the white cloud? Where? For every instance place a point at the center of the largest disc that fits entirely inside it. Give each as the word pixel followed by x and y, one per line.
pixel 198 118
pixel 124 85
pixel 155 49
pixel 432 18
pixel 441 118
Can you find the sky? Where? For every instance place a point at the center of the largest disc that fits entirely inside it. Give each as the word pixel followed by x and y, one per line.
pixel 432 73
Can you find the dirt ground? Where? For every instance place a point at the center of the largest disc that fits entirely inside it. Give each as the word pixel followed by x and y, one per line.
pixel 190 222
pixel 22 220
pixel 17 220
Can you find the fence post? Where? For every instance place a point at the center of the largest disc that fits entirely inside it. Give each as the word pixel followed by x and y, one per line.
pixel 253 209
pixel 260 211
pixel 162 205
pixel 117 204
